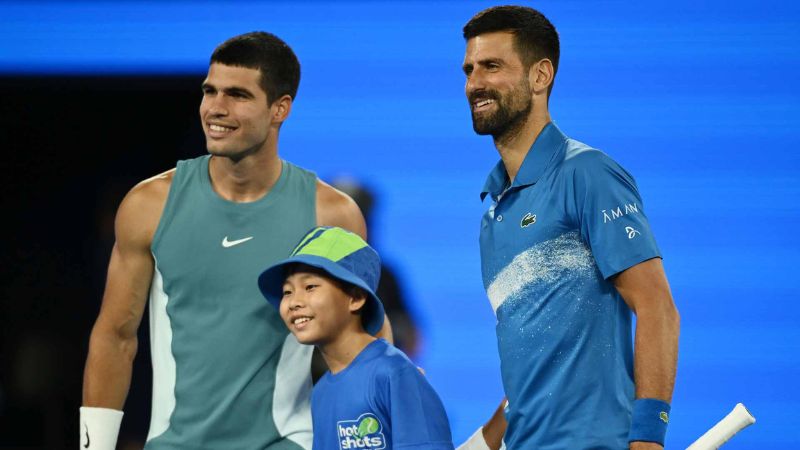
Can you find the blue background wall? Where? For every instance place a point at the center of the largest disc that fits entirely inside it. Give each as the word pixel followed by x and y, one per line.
pixel 699 100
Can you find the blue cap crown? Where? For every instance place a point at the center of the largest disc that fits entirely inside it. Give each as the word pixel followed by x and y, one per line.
pixel 341 254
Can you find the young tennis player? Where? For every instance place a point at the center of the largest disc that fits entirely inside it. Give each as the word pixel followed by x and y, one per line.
pixel 372 397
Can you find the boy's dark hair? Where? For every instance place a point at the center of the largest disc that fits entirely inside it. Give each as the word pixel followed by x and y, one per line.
pixel 535 38
pixel 348 288
pixel 280 69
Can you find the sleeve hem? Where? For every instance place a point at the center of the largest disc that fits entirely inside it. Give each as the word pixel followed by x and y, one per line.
pixel 626 264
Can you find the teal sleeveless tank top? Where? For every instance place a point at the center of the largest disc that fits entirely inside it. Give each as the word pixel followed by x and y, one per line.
pixel 227 374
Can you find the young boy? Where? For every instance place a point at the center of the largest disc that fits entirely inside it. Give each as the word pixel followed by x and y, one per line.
pixel 373 397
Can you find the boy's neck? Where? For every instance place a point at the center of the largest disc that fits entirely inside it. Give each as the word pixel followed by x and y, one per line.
pixel 340 353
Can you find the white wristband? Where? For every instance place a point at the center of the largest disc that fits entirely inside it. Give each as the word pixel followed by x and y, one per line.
pixel 475 442
pixel 99 428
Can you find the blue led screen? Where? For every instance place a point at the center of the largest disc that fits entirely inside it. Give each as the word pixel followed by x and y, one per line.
pixel 700 101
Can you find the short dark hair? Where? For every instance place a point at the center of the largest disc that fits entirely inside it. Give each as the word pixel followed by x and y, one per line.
pixel 535 38
pixel 280 69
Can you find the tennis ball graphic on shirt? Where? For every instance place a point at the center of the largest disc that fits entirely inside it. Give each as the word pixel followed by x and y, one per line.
pixel 362 433
pixel 367 426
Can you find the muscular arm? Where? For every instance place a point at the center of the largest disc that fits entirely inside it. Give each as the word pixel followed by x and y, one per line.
pixel 113 342
pixel 337 209
pixel 645 289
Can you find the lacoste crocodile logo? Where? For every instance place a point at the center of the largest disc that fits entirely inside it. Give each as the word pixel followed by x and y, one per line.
pixel 528 219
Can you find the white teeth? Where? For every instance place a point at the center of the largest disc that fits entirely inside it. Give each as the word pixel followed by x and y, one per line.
pixel 484 103
pixel 219 128
pixel 300 320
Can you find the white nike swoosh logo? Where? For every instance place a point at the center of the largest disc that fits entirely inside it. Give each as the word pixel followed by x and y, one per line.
pixel 226 243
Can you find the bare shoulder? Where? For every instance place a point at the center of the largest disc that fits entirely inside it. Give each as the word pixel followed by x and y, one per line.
pixel 140 211
pixel 335 208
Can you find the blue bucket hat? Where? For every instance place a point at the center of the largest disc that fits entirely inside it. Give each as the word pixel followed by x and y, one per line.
pixel 341 254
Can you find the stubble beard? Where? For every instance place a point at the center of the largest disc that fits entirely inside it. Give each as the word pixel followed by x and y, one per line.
pixel 511 116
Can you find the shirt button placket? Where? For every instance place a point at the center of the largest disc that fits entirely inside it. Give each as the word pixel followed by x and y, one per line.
pixel 499 215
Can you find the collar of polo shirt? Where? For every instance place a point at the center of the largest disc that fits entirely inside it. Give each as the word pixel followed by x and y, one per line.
pixel 540 156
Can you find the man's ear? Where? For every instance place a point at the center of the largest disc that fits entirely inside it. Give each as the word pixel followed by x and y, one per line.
pixel 281 108
pixel 541 75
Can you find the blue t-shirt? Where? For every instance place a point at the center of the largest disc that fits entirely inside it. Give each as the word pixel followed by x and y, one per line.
pixel 550 241
pixel 380 401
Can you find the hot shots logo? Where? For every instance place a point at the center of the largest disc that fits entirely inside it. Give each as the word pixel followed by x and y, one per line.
pixel 365 432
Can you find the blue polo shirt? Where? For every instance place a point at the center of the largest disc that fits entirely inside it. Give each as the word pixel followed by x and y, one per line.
pixel 379 401
pixel 550 241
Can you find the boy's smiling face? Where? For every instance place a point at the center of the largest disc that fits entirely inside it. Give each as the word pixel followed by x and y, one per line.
pixel 315 308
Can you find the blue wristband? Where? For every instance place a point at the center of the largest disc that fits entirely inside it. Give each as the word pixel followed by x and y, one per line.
pixel 649 421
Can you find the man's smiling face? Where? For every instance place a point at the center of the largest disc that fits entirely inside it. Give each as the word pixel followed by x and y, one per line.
pixel 235 113
pixel 497 83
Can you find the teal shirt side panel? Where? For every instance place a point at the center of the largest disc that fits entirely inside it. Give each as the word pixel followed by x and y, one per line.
pixel 226 338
